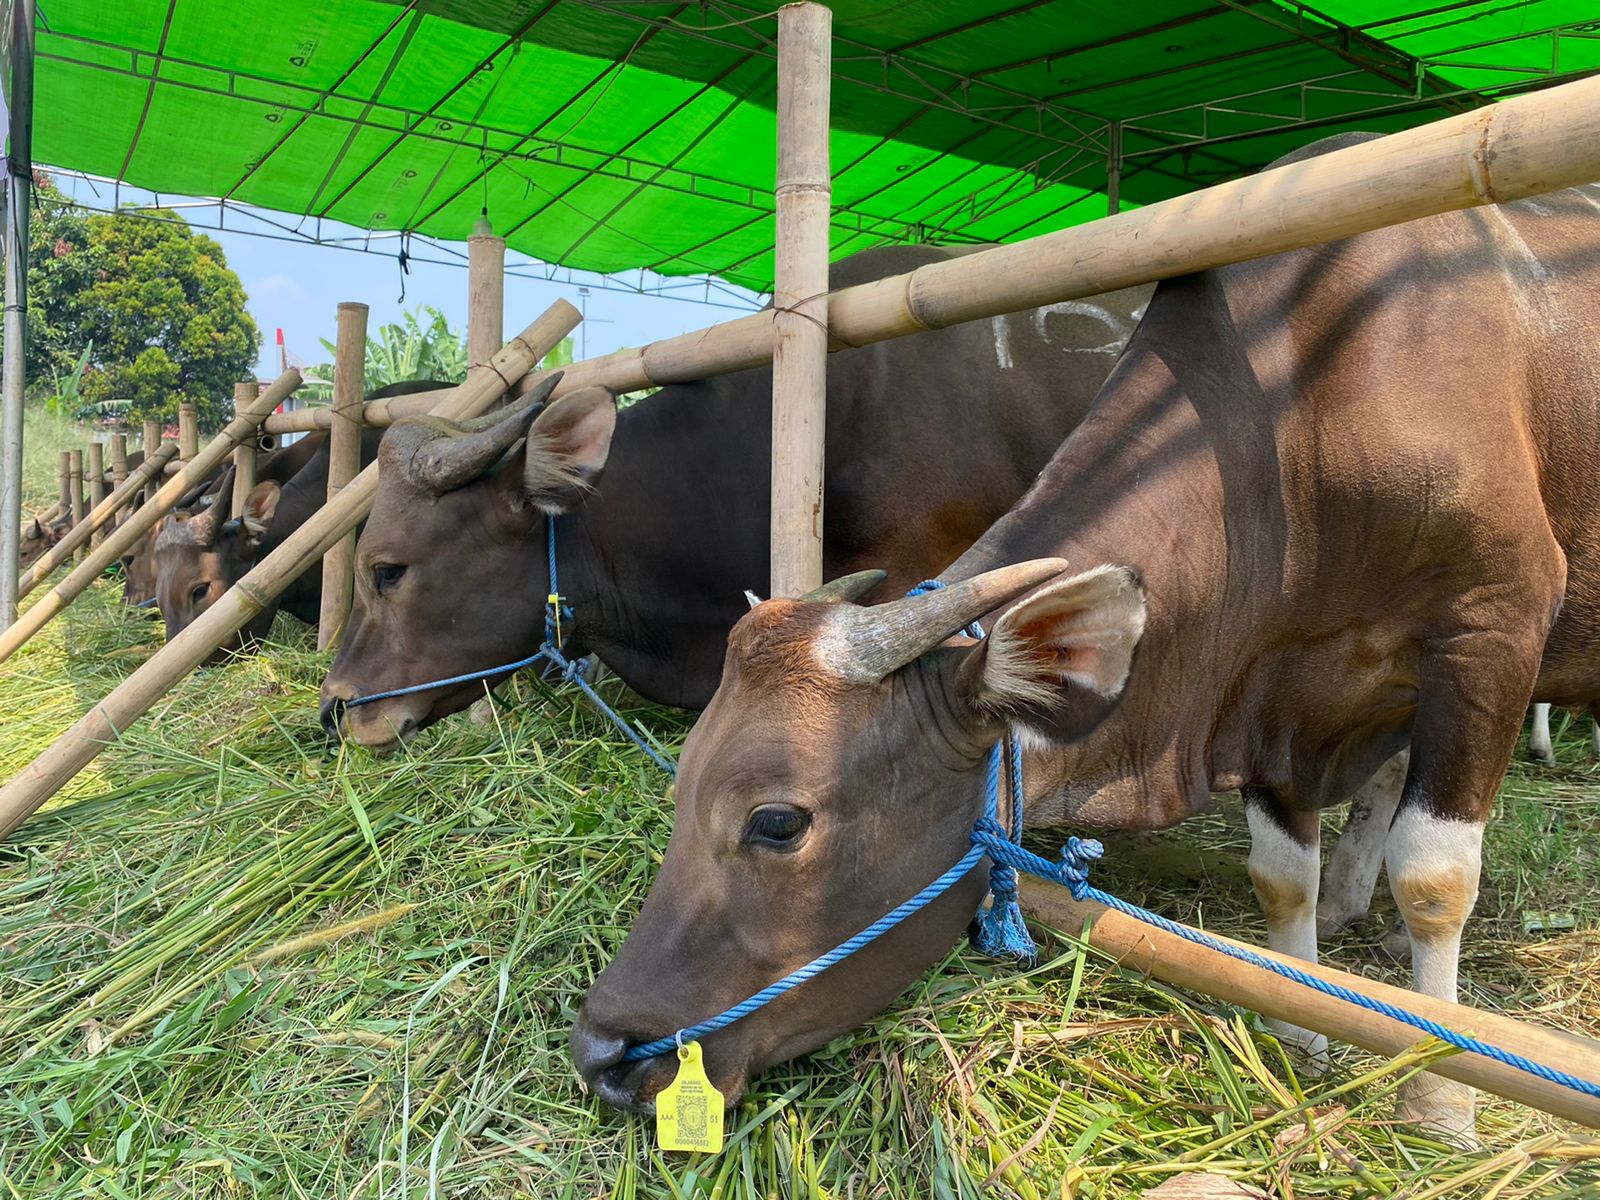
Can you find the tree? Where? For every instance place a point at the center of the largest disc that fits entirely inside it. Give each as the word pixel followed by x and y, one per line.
pixel 153 302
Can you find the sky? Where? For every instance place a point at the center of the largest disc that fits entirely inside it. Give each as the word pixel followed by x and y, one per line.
pixel 297 287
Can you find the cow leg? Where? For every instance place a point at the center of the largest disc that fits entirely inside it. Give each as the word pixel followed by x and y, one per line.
pixel 1352 871
pixel 1539 747
pixel 1285 865
pixel 1594 735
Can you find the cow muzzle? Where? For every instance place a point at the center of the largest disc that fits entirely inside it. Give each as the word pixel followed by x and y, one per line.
pixel 597 1055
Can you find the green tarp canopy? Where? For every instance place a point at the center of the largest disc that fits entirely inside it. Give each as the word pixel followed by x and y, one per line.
pixel 612 134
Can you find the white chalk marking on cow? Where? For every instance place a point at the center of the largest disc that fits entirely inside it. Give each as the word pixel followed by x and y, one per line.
pixel 1535 263
pixel 1434 865
pixel 1285 874
pixel 1002 343
pixel 1078 308
pixel 1346 893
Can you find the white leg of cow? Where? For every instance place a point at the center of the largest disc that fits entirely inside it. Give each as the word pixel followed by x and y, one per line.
pixel 1352 873
pixel 1539 747
pixel 1594 736
pixel 1434 864
pixel 1285 871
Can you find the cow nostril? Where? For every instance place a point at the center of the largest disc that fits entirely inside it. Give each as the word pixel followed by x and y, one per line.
pixel 595 1049
pixel 332 713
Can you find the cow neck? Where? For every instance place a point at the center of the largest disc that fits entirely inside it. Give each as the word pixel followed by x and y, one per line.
pixel 1108 497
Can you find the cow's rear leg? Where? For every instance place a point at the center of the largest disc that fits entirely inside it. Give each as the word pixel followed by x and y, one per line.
pixel 1352 874
pixel 1285 866
pixel 1540 748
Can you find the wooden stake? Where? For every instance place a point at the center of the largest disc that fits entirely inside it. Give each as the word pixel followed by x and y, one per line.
pixel 1173 959
pixel 800 297
pixel 144 518
pixel 97 480
pixel 188 431
pixel 244 454
pixel 64 479
pixel 119 459
pixel 74 494
pixel 486 292
pixel 152 440
pixel 126 493
pixel 344 461
pixel 132 698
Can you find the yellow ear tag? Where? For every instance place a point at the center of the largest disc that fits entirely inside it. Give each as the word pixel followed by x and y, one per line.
pixel 689 1109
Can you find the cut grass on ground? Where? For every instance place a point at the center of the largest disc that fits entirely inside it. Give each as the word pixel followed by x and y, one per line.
pixel 232 965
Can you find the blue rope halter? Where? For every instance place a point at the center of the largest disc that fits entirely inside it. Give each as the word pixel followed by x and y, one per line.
pixel 549 652
pixel 1000 929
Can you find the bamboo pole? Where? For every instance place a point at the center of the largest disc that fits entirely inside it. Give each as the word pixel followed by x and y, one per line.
pixel 1173 959
pixel 486 292
pixel 132 698
pixel 152 441
pixel 244 454
pixel 119 460
pixel 97 481
pixel 74 493
pixel 800 298
pixel 142 519
pixel 97 518
pixel 344 461
pixel 64 480
pixel 188 431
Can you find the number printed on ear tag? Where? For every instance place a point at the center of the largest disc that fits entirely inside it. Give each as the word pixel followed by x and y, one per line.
pixel 689 1109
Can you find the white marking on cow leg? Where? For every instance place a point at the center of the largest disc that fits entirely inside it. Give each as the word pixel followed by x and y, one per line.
pixel 1002 342
pixel 1285 875
pixel 1594 737
pixel 1433 872
pixel 1347 885
pixel 1539 747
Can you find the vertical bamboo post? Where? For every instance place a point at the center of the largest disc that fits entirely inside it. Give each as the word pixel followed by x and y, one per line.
pixel 64 479
pixel 486 292
pixel 244 454
pixel 97 478
pixel 75 489
pixel 188 431
pixel 17 186
pixel 344 463
pixel 156 676
pixel 800 297
pixel 119 460
pixel 152 443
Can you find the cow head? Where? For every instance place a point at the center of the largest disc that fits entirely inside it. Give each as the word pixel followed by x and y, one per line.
pixel 199 556
pixel 838 770
pixel 451 574
pixel 37 538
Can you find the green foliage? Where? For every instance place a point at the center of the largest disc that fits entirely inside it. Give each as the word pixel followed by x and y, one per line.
pixel 154 303
pixel 67 398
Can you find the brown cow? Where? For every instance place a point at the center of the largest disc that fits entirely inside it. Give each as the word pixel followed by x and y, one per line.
pixel 1343 500
pixel 930 438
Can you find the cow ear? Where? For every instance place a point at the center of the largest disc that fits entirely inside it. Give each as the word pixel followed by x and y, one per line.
pixel 567 449
pixel 259 508
pixel 1058 660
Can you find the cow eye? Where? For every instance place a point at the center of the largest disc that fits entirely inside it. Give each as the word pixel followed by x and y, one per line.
pixel 386 575
pixel 777 826
pixel 200 594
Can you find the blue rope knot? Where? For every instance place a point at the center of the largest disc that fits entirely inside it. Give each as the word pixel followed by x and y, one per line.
pixel 1076 858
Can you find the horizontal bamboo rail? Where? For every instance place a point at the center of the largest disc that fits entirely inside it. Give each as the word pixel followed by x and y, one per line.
pixel 1173 959
pixel 144 518
pixel 134 696
pixel 100 515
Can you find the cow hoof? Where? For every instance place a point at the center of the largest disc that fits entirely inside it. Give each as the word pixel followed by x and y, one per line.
pixel 1333 918
pixel 1545 758
pixel 1396 942
pixel 1442 1108
pixel 482 712
pixel 1307 1050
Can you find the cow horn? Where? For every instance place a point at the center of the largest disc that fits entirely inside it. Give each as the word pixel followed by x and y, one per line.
pixel 846 588
pixel 448 455
pixel 201 529
pixel 880 639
